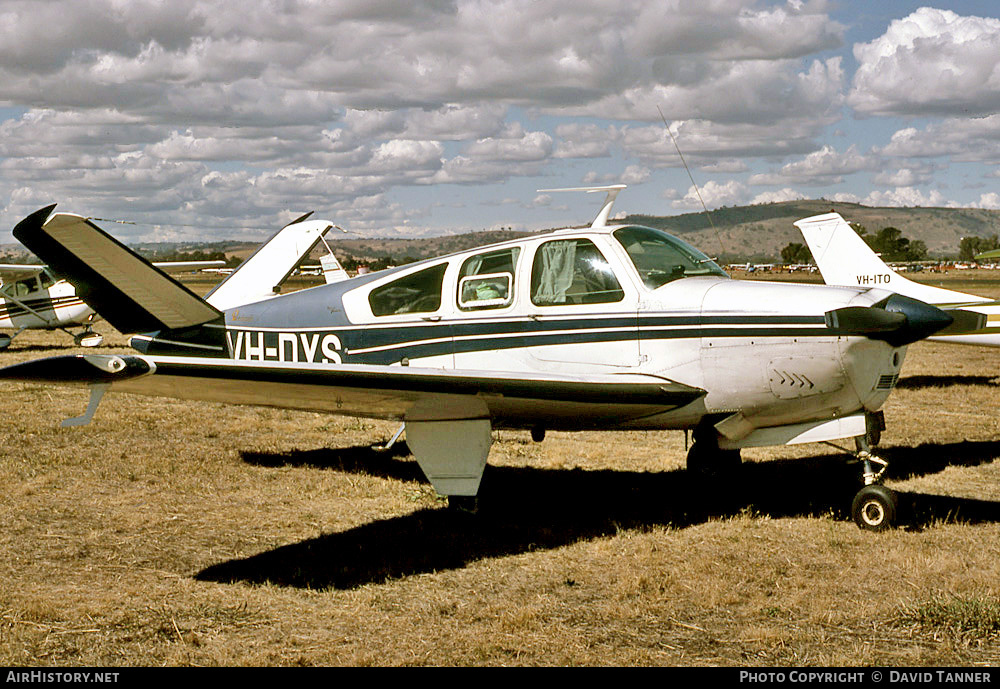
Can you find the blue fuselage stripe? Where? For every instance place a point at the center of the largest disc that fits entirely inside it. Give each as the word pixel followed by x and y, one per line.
pixel 386 344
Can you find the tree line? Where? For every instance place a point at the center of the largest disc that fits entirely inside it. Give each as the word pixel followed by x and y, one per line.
pixel 888 242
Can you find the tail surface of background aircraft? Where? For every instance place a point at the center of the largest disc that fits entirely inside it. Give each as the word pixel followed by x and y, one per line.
pixel 844 258
pixel 602 327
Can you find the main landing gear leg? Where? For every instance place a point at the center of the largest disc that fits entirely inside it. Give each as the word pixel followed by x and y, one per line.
pixel 874 507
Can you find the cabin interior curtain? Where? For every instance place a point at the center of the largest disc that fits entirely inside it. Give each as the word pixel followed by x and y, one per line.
pixel 557 263
pixel 472 266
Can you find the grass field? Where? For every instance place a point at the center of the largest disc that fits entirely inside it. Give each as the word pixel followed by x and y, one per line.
pixel 175 533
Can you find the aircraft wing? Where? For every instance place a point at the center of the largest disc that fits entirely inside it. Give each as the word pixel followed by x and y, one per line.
pixel 387 392
pixel 187 266
pixel 16 271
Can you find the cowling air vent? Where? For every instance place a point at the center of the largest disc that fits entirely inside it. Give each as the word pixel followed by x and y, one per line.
pixel 887 381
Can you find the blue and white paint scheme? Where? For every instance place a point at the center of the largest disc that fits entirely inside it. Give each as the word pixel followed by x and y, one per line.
pixel 601 327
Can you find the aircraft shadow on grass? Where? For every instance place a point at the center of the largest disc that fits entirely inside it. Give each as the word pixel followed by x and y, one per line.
pixel 931 381
pixel 47 348
pixel 525 509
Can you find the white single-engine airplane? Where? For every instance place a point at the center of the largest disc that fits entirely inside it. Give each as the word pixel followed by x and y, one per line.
pixel 844 258
pixel 606 327
pixel 32 297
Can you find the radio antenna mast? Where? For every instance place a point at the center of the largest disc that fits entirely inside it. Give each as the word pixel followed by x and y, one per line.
pixel 697 191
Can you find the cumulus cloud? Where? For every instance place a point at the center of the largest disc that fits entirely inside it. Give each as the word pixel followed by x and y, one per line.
pixel 819 168
pixel 990 200
pixel 903 177
pixel 907 197
pixel 714 194
pixel 931 62
pixel 633 174
pixel 778 196
pixel 208 113
pixel 961 139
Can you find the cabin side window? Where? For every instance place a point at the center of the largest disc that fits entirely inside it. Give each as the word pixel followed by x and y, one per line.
pixel 23 288
pixel 572 271
pixel 416 293
pixel 486 281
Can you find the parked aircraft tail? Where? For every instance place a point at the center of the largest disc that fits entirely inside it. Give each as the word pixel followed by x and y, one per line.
pixel 845 259
pixel 332 270
pixel 134 295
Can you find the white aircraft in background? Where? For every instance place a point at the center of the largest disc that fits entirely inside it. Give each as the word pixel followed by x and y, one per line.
pixel 606 327
pixel 844 258
pixel 34 298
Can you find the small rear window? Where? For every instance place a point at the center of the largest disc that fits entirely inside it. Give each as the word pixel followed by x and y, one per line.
pixel 416 293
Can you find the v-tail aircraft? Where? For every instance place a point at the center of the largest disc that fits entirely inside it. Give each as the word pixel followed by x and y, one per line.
pixel 603 327
pixel 843 258
pixel 32 296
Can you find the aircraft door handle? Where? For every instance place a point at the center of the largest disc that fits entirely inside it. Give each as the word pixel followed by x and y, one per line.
pixel 433 319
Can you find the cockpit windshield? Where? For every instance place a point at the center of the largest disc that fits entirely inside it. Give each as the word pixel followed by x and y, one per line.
pixel 660 258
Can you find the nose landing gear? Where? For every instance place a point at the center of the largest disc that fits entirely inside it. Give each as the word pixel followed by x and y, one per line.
pixel 874 506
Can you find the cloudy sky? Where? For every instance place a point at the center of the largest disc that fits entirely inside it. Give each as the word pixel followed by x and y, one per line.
pixel 198 119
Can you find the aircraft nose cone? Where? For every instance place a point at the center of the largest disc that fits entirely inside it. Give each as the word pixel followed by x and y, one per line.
pixel 922 319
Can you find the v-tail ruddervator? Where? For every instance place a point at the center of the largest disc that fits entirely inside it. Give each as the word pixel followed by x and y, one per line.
pixel 602 327
pixel 33 296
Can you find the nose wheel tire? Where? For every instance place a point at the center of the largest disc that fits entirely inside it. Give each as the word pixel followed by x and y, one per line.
pixel 874 508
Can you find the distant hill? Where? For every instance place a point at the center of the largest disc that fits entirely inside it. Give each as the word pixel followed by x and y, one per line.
pixel 762 230
pixel 741 233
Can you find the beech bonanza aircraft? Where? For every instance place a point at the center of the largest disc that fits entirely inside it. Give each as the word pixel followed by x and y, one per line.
pixel 32 297
pixel 605 327
pixel 844 258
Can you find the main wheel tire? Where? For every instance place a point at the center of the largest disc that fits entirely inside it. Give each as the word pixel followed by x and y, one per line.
pixel 89 339
pixel 874 508
pixel 708 460
pixel 465 504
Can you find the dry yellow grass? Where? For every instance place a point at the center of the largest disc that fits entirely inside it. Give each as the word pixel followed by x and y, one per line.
pixel 169 533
